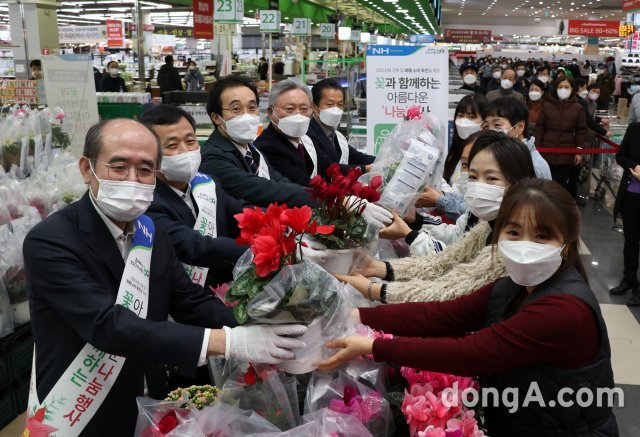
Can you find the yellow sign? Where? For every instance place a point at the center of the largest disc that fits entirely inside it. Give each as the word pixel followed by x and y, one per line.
pixel 626 30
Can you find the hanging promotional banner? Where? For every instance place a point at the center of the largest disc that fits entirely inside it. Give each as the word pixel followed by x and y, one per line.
pixel 356 35
pixel 467 36
pixel 269 21
pixel 229 11
pixel 422 39
pixel 115 33
pixel 203 19
pixel 69 84
pixel 630 5
pixel 399 77
pixel 301 26
pixel 327 31
pixel 82 34
pixel 607 28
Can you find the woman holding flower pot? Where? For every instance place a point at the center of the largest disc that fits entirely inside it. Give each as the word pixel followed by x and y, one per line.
pixel 539 330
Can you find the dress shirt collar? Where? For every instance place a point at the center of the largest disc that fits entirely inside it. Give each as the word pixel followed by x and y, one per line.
pixel 121 237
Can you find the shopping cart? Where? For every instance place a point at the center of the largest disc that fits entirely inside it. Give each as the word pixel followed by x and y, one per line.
pixel 610 174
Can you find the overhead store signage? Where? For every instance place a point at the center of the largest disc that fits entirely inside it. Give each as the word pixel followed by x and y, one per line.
pixel 203 19
pixel 630 5
pixel 356 35
pixel 229 11
pixel 399 77
pixel 422 39
pixel 467 36
pixel 626 30
pixel 69 84
pixel 301 26
pixel 594 28
pixel 82 34
pixel 179 32
pixel 269 21
pixel 115 34
pixel 327 30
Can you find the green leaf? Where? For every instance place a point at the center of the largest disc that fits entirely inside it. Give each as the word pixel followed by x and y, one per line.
pixel 240 312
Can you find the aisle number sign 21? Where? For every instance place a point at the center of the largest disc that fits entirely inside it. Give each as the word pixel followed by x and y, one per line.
pixel 228 11
pixel 327 30
pixel 302 26
pixel 269 21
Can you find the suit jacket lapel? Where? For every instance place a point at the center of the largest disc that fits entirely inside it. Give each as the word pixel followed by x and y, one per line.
pixel 175 202
pixel 324 139
pixel 99 239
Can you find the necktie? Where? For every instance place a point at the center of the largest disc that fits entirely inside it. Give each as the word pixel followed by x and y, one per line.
pixel 301 152
pixel 252 164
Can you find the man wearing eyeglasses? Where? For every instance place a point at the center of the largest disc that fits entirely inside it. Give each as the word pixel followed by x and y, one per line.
pixel 102 280
pixel 229 153
pixel 285 142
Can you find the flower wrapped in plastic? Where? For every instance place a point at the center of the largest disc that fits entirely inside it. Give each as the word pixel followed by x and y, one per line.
pixel 193 397
pixel 223 420
pixel 410 159
pixel 160 419
pixel 343 394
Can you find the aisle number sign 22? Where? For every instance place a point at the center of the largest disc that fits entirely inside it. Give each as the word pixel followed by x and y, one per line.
pixel 327 30
pixel 229 11
pixel 269 21
pixel 302 26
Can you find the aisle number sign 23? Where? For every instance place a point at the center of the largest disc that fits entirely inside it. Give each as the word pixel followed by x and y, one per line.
pixel 228 11
pixel 302 26
pixel 269 21
pixel 327 30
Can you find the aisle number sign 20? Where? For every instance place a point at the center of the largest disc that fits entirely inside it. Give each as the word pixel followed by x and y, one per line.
pixel 302 26
pixel 228 11
pixel 269 21
pixel 327 30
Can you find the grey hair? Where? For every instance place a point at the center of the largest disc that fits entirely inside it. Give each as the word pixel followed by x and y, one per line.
pixel 93 140
pixel 287 85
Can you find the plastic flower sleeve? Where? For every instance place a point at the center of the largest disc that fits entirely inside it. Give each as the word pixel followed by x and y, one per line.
pixel 341 393
pixel 222 420
pixel 158 419
pixel 6 311
pixel 333 423
pixel 312 429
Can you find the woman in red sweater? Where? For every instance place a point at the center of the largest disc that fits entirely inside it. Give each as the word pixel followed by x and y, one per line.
pixel 541 325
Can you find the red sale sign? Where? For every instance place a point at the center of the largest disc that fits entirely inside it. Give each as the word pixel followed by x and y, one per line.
pixel 594 28
pixel 203 19
pixel 115 35
pixel 630 5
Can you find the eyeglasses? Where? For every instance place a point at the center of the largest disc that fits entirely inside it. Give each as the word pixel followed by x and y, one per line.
pixel 120 172
pixel 237 110
pixel 290 110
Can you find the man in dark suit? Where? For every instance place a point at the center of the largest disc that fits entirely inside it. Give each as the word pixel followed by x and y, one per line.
pixel 174 208
pixel 331 145
pixel 169 77
pixel 76 268
pixel 229 153
pixel 284 142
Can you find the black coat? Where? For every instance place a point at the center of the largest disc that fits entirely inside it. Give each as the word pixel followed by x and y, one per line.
pixel 329 153
pixel 220 254
pixel 627 157
pixel 169 79
pixel 111 84
pixel 284 157
pixel 221 158
pixel 74 269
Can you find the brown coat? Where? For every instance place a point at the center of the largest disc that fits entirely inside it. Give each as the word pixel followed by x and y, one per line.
pixel 534 110
pixel 561 124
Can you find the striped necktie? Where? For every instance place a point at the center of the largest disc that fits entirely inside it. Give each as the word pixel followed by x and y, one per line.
pixel 250 161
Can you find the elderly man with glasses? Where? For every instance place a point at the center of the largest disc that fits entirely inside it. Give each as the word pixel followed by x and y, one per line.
pixel 285 142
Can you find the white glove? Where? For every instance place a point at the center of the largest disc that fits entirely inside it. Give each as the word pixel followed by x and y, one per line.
pixel 266 344
pixel 376 215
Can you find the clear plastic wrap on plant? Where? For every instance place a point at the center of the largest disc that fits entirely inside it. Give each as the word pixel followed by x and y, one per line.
pixel 159 419
pixel 332 423
pixel 341 393
pixel 222 420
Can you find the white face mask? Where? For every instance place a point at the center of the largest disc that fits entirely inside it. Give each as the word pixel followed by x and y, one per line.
pixel 113 72
pixel 192 68
pixel 466 127
pixel 182 167
pixel 506 84
pixel 470 79
pixel 504 66
pixel 497 74
pixel 123 201
pixel 331 116
pixel 528 263
pixel 583 94
pixel 534 96
pixel 594 96
pixel 243 129
pixel 462 181
pixel 293 126
pixel 564 93
pixel 520 73
pixel 543 79
pixel 484 200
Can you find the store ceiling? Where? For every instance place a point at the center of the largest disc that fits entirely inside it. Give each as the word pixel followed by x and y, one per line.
pixel 565 9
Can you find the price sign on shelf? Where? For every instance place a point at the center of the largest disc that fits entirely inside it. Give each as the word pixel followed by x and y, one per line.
pixel 327 30
pixel 269 21
pixel 302 26
pixel 355 35
pixel 228 11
